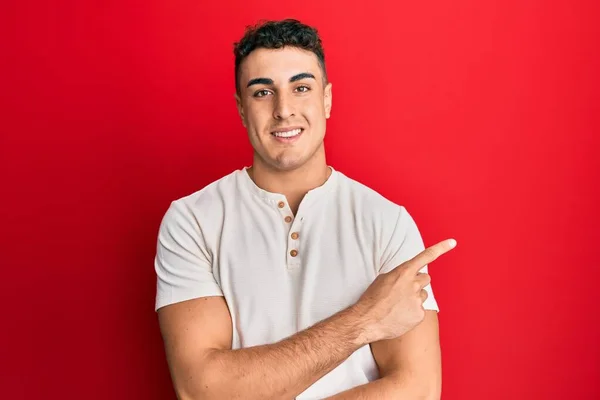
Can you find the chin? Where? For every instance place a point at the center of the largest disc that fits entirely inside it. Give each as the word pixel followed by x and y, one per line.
pixel 287 166
pixel 287 163
pixel 288 159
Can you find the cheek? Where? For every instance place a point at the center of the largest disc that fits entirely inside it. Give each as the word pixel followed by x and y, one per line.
pixel 258 115
pixel 315 114
pixel 312 107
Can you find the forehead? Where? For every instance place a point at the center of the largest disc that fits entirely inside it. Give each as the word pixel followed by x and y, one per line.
pixel 279 64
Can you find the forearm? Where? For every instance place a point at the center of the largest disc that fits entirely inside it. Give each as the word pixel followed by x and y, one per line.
pixel 383 388
pixel 284 369
pixel 387 387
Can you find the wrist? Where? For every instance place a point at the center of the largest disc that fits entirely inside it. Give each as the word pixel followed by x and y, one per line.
pixel 360 325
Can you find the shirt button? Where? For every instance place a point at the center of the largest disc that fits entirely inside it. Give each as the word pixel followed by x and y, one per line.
pixel 288 219
pixel 295 235
pixel 294 253
pixel 281 204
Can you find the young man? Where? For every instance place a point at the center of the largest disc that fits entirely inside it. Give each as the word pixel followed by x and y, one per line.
pixel 288 279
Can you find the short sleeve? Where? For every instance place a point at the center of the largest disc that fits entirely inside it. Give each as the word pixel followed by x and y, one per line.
pixel 405 243
pixel 182 264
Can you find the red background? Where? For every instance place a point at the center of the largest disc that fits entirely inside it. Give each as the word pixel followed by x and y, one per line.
pixel 482 118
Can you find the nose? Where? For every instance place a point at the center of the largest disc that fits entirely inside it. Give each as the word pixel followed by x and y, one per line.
pixel 284 107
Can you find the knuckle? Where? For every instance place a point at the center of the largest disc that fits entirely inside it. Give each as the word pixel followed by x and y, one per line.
pixel 419 313
pixel 404 272
pixel 423 279
pixel 426 279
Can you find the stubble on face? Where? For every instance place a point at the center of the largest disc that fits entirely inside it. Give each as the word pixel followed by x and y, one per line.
pixel 284 103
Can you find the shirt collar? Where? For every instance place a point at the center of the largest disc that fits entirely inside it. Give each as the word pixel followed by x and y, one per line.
pixel 312 196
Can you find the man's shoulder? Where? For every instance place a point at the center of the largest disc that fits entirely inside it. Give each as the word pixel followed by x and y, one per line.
pixel 366 198
pixel 217 188
pixel 210 198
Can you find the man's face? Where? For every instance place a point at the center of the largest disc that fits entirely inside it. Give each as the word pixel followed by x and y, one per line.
pixel 284 105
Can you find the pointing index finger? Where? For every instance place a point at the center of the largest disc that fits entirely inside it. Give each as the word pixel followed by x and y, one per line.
pixel 430 254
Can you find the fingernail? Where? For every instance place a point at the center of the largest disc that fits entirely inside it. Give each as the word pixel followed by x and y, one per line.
pixel 452 243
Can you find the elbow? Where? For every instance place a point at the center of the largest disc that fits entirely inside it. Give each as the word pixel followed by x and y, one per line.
pixel 418 390
pixel 432 396
pixel 189 391
pixel 199 384
pixel 193 393
pixel 421 394
pixel 434 389
pixel 200 388
pixel 210 384
pixel 429 392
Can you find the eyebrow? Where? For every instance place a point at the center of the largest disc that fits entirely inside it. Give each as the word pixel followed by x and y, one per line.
pixel 269 81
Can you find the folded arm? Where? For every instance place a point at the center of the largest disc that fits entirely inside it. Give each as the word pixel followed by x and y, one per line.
pixel 196 327
pixel 410 366
pixel 197 337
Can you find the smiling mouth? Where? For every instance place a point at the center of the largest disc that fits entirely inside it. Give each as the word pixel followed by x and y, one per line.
pixel 287 134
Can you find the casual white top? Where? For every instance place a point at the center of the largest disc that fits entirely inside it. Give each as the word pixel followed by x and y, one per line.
pixel 281 273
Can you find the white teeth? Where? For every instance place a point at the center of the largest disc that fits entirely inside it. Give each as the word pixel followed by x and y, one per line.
pixel 288 134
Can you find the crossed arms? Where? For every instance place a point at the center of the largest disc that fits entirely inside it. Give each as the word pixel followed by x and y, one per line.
pixel 197 335
pixel 390 317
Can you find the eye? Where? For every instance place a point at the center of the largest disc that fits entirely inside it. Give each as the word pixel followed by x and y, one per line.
pixel 303 88
pixel 261 93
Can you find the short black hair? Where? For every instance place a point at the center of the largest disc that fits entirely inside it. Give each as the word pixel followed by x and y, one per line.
pixel 275 35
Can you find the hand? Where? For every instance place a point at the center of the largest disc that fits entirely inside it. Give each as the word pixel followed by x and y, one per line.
pixel 393 304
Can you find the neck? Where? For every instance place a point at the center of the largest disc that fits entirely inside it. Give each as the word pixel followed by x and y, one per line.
pixel 293 184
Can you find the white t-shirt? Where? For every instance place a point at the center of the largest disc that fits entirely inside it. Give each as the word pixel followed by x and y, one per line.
pixel 281 273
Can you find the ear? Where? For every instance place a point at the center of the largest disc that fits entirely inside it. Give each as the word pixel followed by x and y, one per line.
pixel 240 108
pixel 327 100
